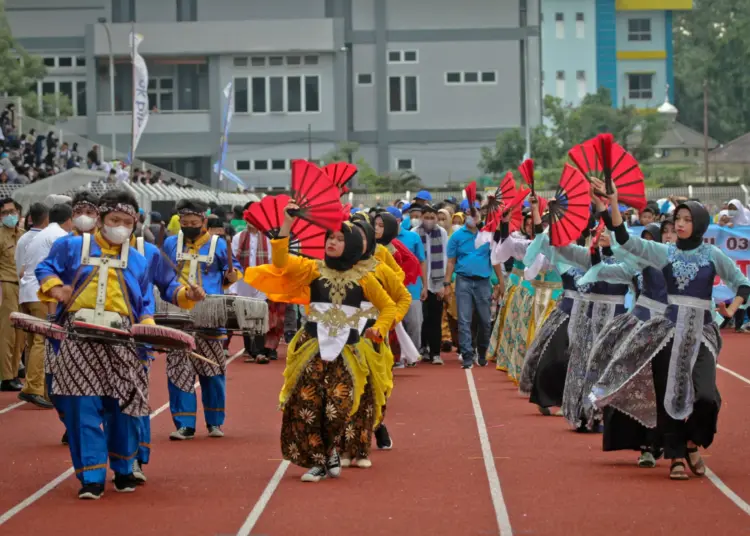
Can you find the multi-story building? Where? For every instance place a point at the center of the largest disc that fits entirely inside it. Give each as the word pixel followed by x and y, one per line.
pixel 622 45
pixel 419 84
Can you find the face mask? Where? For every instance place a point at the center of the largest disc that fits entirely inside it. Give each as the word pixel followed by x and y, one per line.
pixel 428 225
pixel 84 223
pixel 732 213
pixel 633 219
pixel 470 221
pixel 456 227
pixel 117 235
pixel 11 220
pixel 414 222
pixel 191 233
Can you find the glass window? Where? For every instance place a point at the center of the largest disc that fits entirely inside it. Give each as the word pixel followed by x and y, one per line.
pixel 239 61
pixel 81 98
pixel 123 10
pixel 312 94
pixel 276 93
pixel 276 61
pixel 311 60
pixel 260 165
pixel 293 60
pixel 364 79
pixel 258 61
pixel 394 93
pixel 404 164
pixel 639 29
pixel 294 94
pixel 49 61
pixel 66 88
pixel 471 78
pixel 394 56
pixel 410 83
pixel 242 165
pixel 187 10
pixel 452 78
pixel 278 165
pixel 259 95
pixel 410 56
pixel 240 95
pixel 80 61
pixel 48 88
pixel 640 86
pixel 65 61
pixel 489 77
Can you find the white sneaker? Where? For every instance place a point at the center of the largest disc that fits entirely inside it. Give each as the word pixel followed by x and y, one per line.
pixel 346 460
pixel 215 431
pixel 316 474
pixel 334 465
pixel 437 361
pixel 138 473
pixel 364 463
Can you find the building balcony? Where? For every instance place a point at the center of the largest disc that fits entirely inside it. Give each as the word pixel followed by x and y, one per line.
pixel 163 122
pixel 220 37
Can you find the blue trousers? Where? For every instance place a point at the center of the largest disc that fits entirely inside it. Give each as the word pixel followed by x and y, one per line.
pixel 53 398
pixel 97 432
pixel 473 295
pixel 184 406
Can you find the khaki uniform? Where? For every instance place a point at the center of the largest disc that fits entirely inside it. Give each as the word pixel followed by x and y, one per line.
pixel 11 340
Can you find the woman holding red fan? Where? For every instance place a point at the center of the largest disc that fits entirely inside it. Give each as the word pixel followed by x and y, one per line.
pixel 324 377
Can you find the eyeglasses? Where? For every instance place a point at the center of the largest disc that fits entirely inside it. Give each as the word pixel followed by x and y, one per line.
pixel 8 212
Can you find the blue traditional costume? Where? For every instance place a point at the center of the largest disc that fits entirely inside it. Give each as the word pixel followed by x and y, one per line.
pixel 100 388
pixel 671 358
pixel 203 261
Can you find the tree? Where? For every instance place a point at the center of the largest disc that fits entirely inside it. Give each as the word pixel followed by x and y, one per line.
pixel 712 43
pixel 20 73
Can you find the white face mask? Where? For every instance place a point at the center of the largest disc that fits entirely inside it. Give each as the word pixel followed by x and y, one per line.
pixel 470 222
pixel 732 213
pixel 84 223
pixel 456 227
pixel 415 222
pixel 117 235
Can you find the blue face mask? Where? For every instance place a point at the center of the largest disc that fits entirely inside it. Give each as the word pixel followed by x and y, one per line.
pixel 11 220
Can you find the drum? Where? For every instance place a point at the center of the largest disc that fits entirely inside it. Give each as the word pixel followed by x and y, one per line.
pixel 181 321
pixel 32 324
pixel 100 334
pixel 162 337
pixel 248 315
pixel 212 312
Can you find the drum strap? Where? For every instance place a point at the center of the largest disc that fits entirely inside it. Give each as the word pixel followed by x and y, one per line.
pixel 195 258
pixel 139 245
pixel 104 264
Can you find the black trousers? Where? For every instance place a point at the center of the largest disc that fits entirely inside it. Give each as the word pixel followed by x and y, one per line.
pixel 432 317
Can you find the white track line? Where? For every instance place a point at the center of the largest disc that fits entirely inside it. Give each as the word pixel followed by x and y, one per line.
pixel 736 499
pixel 11 407
pixel 501 510
pixel 265 497
pixel 733 373
pixel 31 499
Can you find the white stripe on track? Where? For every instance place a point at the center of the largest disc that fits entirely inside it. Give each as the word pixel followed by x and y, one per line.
pixel 736 499
pixel 501 510
pixel 11 407
pixel 733 373
pixel 263 501
pixel 34 497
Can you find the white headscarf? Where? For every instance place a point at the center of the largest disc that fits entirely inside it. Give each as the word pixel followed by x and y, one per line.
pixel 742 216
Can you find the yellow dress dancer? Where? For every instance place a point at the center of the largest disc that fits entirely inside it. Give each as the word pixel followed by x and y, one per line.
pixel 379 360
pixel 325 374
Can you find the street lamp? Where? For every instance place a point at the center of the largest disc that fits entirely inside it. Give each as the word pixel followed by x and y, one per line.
pixel 113 143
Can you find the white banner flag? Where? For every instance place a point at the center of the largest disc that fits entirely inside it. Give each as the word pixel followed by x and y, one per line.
pixel 140 91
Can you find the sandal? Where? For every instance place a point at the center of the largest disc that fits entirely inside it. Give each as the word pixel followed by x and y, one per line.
pixel 250 359
pixel 698 468
pixel 544 411
pixel 675 474
pixel 262 360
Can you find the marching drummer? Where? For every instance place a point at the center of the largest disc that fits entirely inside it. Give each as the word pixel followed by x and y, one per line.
pixel 101 283
pixel 202 259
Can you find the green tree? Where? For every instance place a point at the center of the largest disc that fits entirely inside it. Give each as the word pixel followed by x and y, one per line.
pixel 712 43
pixel 20 73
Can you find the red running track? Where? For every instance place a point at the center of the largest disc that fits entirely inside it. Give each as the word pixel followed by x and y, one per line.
pixel 435 480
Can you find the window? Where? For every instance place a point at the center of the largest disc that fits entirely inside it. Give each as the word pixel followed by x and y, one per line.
pixel 259 95
pixel 66 88
pixel 581 83
pixel 293 61
pixel 240 61
pixel 240 95
pixel 74 90
pixel 123 10
pixel 312 94
pixel 471 78
pixel 406 164
pixel 364 79
pixel 403 94
pixel 640 86
pixel 489 77
pixel 294 94
pixel 639 29
pixel 65 61
pixel 260 165
pixel 80 61
pixel 276 93
pixel 49 61
pixel 452 78
pixel 560 84
pixel 187 10
pixel 258 61
pixel 311 60
pixel 161 93
pixel 278 165
pixel 242 165
pixel 580 33
pixel 276 61
pixel 402 56
pixel 80 102
pixel 559 26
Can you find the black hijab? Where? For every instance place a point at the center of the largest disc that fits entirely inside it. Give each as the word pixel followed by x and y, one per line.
pixel 352 249
pixel 369 236
pixel 701 221
pixel 390 228
pixel 363 216
pixel 654 229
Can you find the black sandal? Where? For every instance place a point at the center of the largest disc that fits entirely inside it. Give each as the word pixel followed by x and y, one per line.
pixel 698 469
pixel 678 475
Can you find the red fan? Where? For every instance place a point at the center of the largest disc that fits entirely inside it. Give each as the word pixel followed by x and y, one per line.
pixel 527 172
pixel 602 158
pixel 516 208
pixel 496 203
pixel 570 209
pixel 346 211
pixel 597 235
pixel 408 262
pixel 316 196
pixel 340 173
pixel 471 194
pixel 305 238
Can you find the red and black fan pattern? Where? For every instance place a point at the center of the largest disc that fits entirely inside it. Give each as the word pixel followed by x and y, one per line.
pixel 340 173
pixel 570 209
pixel 316 196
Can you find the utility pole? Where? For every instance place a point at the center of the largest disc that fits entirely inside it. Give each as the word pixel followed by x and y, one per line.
pixel 705 127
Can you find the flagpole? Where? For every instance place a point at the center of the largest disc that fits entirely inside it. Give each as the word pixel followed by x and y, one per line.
pixel 132 113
